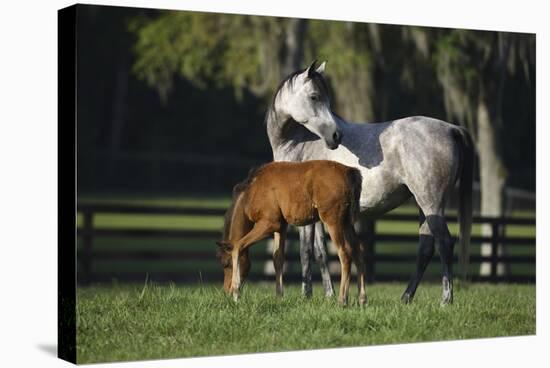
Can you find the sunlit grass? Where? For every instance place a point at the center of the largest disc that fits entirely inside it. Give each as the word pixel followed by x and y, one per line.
pixel 151 322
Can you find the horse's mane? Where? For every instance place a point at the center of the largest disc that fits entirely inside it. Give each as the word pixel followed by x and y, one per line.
pixel 238 189
pixel 317 78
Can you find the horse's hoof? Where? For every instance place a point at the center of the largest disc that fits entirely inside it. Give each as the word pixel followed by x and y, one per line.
pixel 446 301
pixel 329 294
pixel 363 301
pixel 407 298
pixel 447 297
pixel 307 291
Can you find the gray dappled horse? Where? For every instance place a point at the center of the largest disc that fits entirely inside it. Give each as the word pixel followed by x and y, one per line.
pixel 418 156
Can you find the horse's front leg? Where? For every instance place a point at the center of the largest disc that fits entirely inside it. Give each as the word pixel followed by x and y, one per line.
pixel 320 252
pixel 236 277
pixel 306 252
pixel 260 231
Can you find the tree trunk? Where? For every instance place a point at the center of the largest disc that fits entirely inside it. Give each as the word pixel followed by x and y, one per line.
pixel 492 180
pixel 353 97
pixel 294 45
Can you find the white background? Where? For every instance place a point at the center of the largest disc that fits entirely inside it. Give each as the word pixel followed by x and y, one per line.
pixel 28 181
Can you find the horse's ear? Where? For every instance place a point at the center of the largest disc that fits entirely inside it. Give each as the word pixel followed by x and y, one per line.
pixel 321 68
pixel 311 69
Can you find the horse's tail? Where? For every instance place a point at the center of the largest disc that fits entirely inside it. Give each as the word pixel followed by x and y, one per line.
pixel 355 180
pixel 465 197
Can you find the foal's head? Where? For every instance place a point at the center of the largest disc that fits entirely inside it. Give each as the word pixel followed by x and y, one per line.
pixel 224 254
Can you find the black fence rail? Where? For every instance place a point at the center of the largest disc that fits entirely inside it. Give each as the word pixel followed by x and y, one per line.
pixel 88 233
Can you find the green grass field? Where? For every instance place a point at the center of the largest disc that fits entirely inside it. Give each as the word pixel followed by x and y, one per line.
pixel 120 323
pixel 117 322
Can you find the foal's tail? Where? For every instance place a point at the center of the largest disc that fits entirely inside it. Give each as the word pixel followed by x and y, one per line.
pixel 355 180
pixel 465 197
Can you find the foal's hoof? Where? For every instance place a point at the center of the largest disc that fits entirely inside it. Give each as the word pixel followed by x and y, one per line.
pixel 407 298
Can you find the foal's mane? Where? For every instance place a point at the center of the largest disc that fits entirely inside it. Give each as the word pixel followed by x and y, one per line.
pixel 238 189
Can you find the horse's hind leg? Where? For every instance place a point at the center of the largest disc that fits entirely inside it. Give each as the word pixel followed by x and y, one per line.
pixel 426 250
pixel 320 252
pixel 279 259
pixel 359 260
pixel 439 228
pixel 435 226
pixel 345 254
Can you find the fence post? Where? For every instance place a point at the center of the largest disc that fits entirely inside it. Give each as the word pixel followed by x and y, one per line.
pixel 494 248
pixel 87 235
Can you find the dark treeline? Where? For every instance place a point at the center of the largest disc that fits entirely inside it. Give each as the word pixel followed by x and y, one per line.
pixel 131 140
pixel 175 101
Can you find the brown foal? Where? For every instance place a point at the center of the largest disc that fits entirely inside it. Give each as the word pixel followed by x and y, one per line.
pixel 297 193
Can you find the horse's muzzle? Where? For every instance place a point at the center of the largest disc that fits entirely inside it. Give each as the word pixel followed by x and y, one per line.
pixel 336 140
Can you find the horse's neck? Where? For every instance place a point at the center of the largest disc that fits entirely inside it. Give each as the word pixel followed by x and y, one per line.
pixel 274 128
pixel 289 140
pixel 240 224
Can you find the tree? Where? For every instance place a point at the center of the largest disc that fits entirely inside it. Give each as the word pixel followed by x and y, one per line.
pixel 255 53
pixel 208 49
pixel 474 68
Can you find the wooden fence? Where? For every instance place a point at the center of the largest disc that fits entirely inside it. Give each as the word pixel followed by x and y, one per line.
pixel 87 233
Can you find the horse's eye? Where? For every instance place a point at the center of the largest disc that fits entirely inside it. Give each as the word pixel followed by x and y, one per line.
pixel 314 97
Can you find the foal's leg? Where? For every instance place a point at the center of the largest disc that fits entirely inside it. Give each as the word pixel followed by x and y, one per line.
pixel 425 253
pixel 279 259
pixel 306 251
pixel 260 231
pixel 320 252
pixel 359 260
pixel 344 254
